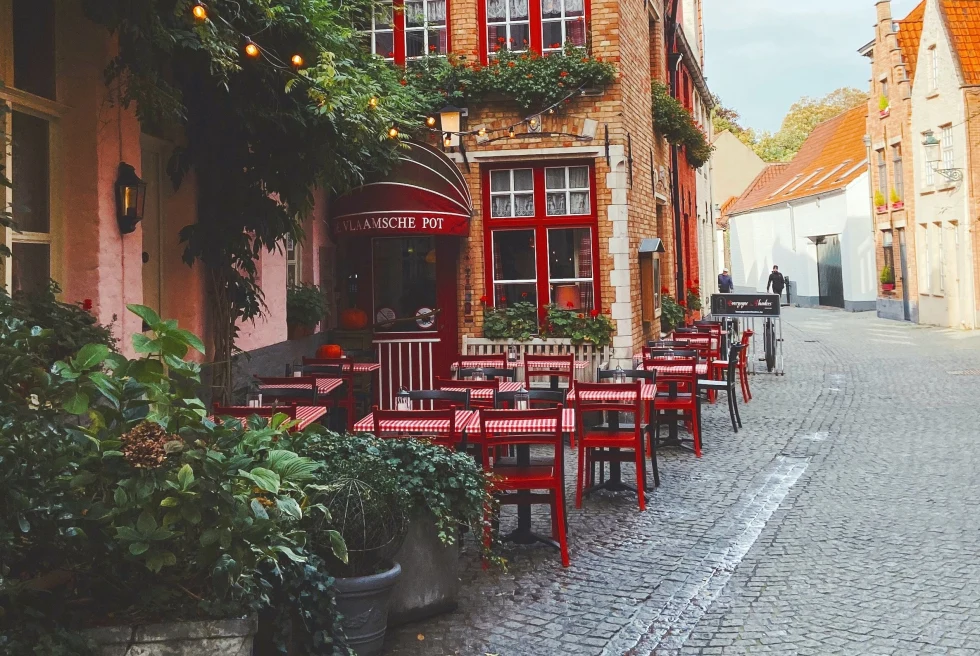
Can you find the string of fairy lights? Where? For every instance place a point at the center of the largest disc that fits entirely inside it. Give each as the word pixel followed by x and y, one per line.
pixel 253 50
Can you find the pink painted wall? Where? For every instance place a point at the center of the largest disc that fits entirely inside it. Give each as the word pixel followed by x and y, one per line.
pixel 270 328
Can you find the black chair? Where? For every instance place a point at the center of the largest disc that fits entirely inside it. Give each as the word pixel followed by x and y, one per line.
pixel 685 330
pixel 536 397
pixel 631 374
pixel 491 373
pixel 727 385
pixel 442 399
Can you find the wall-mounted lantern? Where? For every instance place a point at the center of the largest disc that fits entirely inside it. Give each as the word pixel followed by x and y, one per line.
pixel 449 120
pixel 934 158
pixel 130 198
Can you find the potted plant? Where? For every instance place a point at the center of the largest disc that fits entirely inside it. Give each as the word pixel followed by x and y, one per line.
pixel 305 308
pixel 672 312
pixel 883 105
pixel 694 305
pixel 887 279
pixel 896 200
pixel 880 205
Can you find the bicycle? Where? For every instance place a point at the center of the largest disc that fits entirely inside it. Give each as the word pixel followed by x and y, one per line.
pixel 769 343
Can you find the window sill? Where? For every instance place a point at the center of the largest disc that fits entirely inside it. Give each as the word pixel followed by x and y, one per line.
pixel 947 188
pixel 927 192
pixel 932 94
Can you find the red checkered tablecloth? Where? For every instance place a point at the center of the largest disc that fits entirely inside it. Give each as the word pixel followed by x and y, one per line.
pixel 511 426
pixel 366 367
pixel 323 385
pixel 465 420
pixel 649 393
pixel 668 369
pixel 511 364
pixel 486 394
pixel 305 414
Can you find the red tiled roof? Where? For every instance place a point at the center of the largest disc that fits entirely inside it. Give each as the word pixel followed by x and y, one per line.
pixel 832 157
pixel 963 22
pixel 722 221
pixel 909 33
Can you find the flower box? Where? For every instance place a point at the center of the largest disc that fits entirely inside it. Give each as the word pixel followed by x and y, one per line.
pixel 898 206
pixel 885 112
pixel 887 286
pixel 881 209
pixel 477 346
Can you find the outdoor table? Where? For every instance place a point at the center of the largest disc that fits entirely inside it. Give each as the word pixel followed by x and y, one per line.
pixel 487 393
pixel 476 362
pixel 306 415
pixel 366 367
pixel 702 368
pixel 523 533
pixel 648 394
pixel 323 385
pixel 466 420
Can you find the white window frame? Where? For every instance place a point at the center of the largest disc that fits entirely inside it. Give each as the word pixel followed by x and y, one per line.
pixel 517 281
pixel 568 190
pixel 510 44
pixel 294 264
pixel 425 28
pixel 933 69
pixel 512 193
pixel 928 168
pixel 559 281
pixel 948 154
pixel 941 259
pixel 925 267
pixel 375 30
pixel 564 20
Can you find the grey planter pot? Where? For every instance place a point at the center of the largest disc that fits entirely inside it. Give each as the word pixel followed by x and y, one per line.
pixel 216 638
pixel 363 602
pixel 429 584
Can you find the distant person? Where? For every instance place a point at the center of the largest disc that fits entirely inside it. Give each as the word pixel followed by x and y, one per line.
pixel 725 283
pixel 776 282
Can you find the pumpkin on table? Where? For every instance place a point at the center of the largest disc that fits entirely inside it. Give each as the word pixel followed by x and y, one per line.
pixel 329 352
pixel 353 319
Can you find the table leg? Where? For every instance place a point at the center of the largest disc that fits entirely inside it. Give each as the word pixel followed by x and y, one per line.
pixel 523 533
pixel 615 481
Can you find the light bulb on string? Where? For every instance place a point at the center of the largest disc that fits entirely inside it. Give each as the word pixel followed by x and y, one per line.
pixel 551 110
pixel 393 132
pixel 533 123
pixel 511 133
pixel 251 49
pixel 200 12
pixel 297 60
pixel 482 132
pixel 373 102
pixel 430 121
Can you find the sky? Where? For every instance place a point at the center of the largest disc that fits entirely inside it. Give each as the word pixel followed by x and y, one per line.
pixel 761 56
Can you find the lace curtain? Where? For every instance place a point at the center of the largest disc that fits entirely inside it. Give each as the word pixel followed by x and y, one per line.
pixel 436 11
pixel 578 177
pixel 553 7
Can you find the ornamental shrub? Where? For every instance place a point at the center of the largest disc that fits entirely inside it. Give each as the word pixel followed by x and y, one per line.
pixel 675 124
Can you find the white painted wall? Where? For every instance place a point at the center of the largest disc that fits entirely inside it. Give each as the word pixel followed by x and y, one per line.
pixel 942 214
pixel 779 235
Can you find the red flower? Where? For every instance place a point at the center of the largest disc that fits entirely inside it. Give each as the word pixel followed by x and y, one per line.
pixel 496 49
pixel 512 64
pixel 682 303
pixel 585 60
pixel 570 304
pixel 432 48
pixel 501 39
pixel 87 304
pixel 523 294
pixel 529 76
pixel 581 316
pixel 555 45
pixel 483 299
pixel 665 289
pixel 594 313
pixel 563 74
pixel 503 299
pixel 403 81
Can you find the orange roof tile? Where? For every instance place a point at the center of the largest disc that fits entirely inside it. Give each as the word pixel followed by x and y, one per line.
pixel 963 22
pixel 909 34
pixel 832 157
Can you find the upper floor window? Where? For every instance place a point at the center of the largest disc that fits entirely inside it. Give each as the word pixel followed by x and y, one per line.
pixel 929 168
pixel 897 172
pixel 562 21
pixel 511 193
pixel 884 88
pixel 882 173
pixel 947 146
pixel 933 69
pixel 293 262
pixel 540 25
pixel 407 31
pixel 568 190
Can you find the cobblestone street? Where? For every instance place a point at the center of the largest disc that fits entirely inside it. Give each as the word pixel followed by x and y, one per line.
pixel 843 519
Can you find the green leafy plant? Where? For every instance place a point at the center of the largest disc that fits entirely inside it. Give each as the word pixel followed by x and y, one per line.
pixel 895 198
pixel 305 305
pixel 672 313
pixel 883 103
pixel 694 296
pixel 879 199
pixel 675 124
pixel 518 321
pixel 581 327
pixel 887 276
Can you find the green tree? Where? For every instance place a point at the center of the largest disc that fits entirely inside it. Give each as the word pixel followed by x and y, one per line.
pixel 258 135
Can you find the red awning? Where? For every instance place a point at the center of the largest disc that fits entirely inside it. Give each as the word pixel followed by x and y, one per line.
pixel 424 194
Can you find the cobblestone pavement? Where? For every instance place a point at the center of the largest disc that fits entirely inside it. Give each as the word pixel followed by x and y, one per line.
pixel 843 519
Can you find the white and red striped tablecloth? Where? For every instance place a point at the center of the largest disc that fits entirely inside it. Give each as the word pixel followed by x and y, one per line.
pixel 473 363
pixel 465 420
pixel 511 426
pixel 305 414
pixel 323 385
pixel 480 394
pixel 648 393
pixel 366 367
pixel 665 369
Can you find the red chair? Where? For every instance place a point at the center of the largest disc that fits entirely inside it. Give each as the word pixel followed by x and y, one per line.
pixel 553 367
pixel 487 360
pixel 508 481
pixel 473 386
pixel 439 426
pixel 341 398
pixel 677 391
pixel 743 365
pixel 598 397
pixel 296 391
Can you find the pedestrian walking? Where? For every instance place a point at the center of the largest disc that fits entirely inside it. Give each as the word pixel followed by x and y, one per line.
pixel 725 283
pixel 776 282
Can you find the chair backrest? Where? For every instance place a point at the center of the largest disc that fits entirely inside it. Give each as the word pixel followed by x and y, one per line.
pixel 302 389
pixel 494 434
pixel 536 397
pixel 492 360
pixel 682 330
pixel 623 398
pixel 668 353
pixel 441 383
pixel 668 343
pixel 441 399
pixel 735 353
pixel 647 375
pixel 489 372
pixel 440 425
pixel 243 411
pixel 675 374
pixel 549 366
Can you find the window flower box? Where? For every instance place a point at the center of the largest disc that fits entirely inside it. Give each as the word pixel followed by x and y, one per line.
pixel 887 286
pixel 898 206
pixel 881 209
pixel 884 112
pixel 477 346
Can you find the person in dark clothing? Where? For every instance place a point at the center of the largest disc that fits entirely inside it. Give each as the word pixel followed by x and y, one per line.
pixel 725 283
pixel 776 282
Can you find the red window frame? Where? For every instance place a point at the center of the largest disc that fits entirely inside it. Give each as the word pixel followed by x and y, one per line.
pixel 541 222
pixel 398 16
pixel 535 26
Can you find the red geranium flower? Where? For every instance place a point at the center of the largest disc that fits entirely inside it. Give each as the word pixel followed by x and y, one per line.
pixel 581 316
pixel 403 81
pixel 665 289
pixel 570 304
pixel 556 45
pixel 512 64
pixel 87 304
pixel 483 299
pixel 501 39
pixel 563 74
pixel 523 294
pixel 594 313
pixel 503 299
pixel 682 303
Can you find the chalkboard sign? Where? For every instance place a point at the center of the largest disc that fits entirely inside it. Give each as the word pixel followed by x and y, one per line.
pixel 744 305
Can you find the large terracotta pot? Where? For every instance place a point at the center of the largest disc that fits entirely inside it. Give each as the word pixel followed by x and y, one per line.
pixel 353 319
pixel 329 352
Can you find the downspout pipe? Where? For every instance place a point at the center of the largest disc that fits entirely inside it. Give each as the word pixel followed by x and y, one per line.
pixel 676 185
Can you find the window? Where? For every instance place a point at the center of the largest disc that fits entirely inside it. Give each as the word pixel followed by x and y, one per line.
pixel 882 174
pixel 933 69
pixel 922 244
pixel 425 28
pixel 897 172
pixel 293 262
pixel 562 22
pixel 28 128
pixel 884 88
pixel 511 193
pixel 650 286
pixel 404 272
pixel 527 25
pixel 888 251
pixel 568 190
pixel 508 25
pixel 407 31
pixel 947 146
pixel 929 168
pixel 540 239
pixel 941 260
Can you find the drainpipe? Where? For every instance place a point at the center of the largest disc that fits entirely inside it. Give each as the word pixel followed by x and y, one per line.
pixel 676 183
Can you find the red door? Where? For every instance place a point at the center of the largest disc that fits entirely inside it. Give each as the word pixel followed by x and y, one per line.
pixel 411 299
